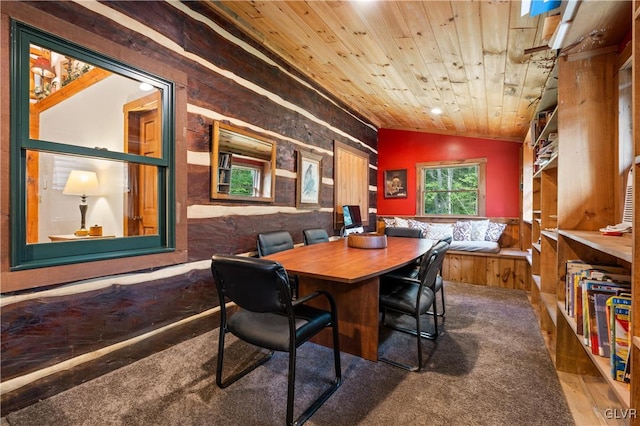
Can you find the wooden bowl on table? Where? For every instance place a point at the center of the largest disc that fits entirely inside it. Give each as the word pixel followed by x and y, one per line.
pixel 367 241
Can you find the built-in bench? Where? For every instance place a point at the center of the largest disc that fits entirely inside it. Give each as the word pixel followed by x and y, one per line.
pixel 507 268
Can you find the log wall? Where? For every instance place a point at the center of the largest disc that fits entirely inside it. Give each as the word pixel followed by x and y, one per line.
pixel 55 337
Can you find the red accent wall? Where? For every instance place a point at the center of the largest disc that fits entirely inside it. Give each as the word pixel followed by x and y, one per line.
pixel 400 149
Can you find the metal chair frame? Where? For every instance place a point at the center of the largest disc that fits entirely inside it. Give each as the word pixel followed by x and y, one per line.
pixel 289 310
pixel 424 283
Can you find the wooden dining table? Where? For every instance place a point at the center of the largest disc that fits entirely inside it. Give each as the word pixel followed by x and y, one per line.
pixel 352 276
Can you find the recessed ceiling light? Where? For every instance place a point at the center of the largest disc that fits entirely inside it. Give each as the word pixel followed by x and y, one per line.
pixel 146 87
pixel 436 111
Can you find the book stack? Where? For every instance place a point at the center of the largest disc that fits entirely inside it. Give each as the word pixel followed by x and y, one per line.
pixel 546 150
pixel 598 298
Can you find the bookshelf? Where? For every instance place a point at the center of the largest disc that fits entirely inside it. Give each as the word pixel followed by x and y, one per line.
pixel 635 355
pixel 542 172
pixel 572 195
pixel 224 172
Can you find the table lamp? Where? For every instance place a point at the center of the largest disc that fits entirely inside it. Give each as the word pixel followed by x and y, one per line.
pixel 82 183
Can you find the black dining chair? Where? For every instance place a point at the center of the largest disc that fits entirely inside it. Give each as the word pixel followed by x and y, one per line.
pixel 406 232
pixel 270 319
pixel 314 236
pixel 274 242
pixel 412 270
pixel 413 296
pixel 439 288
pixel 399 231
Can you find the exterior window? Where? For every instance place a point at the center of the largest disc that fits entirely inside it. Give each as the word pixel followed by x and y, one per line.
pixel 452 189
pixel 91 165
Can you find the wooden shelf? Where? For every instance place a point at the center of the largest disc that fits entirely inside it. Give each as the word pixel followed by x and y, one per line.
pixel 602 364
pixel 574 188
pixel 536 280
pixel 549 302
pixel 620 247
pixel 551 164
pixel 550 127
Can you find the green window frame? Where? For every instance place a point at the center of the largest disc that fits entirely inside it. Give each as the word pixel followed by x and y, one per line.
pixel 42 254
pixel 452 188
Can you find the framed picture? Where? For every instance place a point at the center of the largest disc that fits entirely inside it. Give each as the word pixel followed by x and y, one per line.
pixel 309 180
pixel 395 183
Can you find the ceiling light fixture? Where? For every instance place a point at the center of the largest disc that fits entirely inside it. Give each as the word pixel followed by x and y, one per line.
pixel 436 111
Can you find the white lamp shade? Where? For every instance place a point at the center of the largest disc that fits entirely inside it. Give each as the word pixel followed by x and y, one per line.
pixel 82 183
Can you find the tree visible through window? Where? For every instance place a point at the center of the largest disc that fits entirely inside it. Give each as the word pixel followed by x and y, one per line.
pixel 452 189
pixel 244 180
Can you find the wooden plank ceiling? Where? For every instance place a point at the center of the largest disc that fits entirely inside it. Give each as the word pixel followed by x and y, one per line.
pixel 393 61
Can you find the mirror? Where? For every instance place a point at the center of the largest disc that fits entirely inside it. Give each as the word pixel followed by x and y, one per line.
pixel 243 165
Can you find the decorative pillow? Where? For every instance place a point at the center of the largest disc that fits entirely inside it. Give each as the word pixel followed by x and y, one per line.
pixel 462 231
pixel 389 222
pixel 402 223
pixel 479 229
pixel 420 225
pixel 494 231
pixel 437 231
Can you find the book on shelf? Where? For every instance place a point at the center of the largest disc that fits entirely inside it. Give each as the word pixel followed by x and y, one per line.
pixel 223 176
pixel 576 270
pixel 596 293
pixel 224 160
pixel 602 325
pixel 619 312
pixel 597 297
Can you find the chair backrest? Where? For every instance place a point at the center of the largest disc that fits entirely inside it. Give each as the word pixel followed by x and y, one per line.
pixel 399 231
pixel 257 285
pixel 314 236
pixel 448 239
pixel 273 242
pixel 431 263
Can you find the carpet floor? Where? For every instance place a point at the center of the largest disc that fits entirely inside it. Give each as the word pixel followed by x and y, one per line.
pixel 489 367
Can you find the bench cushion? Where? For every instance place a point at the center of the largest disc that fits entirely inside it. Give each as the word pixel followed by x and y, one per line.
pixel 476 246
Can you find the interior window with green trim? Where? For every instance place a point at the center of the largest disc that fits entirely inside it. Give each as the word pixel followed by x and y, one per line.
pixel 91 155
pixel 452 188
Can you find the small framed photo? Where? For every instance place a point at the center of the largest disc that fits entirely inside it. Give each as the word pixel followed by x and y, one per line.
pixel 395 183
pixel 309 180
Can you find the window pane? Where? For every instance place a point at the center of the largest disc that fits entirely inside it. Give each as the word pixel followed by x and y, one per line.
pixel 451 190
pixel 123 199
pixel 243 181
pixel 80 104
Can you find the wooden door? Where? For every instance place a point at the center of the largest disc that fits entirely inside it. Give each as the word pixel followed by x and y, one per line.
pixel 148 185
pixel 351 181
pixel 143 137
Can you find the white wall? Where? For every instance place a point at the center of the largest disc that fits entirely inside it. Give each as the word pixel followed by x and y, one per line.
pixel 91 118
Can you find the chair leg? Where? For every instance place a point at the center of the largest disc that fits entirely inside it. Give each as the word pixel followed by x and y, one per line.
pixel 219 381
pixel 291 386
pixel 442 298
pixel 325 395
pixel 417 332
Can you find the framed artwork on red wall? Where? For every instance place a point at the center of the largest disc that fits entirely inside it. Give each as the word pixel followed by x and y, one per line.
pixel 395 183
